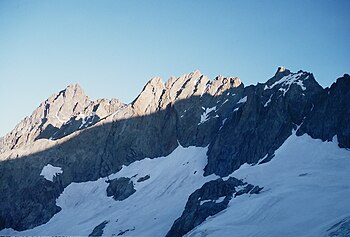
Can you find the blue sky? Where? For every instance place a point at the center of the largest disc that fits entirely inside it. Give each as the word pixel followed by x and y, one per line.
pixel 112 48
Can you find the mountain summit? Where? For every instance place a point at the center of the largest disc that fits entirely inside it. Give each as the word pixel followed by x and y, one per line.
pixel 187 157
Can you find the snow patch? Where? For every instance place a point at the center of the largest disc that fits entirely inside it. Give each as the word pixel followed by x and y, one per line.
pixel 87 121
pixel 268 102
pixel 243 100
pixel 220 199
pixel 225 101
pixel 205 115
pixel 287 81
pixel 50 171
pixel 224 121
pixel 204 201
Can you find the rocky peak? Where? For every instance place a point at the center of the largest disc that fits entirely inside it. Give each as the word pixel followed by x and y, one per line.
pixel 64 107
pixel 282 70
pixel 70 101
pixel 73 89
pixel 186 85
pixel 284 80
pixel 148 100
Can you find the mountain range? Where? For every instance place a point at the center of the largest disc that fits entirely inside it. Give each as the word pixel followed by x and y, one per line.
pixel 188 157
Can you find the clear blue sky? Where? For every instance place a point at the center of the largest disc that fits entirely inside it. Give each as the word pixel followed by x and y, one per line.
pixel 112 48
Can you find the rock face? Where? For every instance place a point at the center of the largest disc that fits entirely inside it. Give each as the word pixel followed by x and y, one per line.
pixel 93 139
pixel 331 114
pixel 209 200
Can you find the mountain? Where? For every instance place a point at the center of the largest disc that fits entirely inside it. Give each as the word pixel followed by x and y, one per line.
pixel 187 157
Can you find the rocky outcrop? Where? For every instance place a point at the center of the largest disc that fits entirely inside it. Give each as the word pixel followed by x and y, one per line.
pixel 210 199
pixel 98 230
pixel 148 100
pixel 120 188
pixel 144 178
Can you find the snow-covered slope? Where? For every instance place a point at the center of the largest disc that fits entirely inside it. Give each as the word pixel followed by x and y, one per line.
pixel 150 211
pixel 305 193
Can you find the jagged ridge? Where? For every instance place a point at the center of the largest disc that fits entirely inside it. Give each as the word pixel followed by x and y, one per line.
pixel 240 125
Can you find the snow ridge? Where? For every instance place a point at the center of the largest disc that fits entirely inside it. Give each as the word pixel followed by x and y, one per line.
pixel 205 115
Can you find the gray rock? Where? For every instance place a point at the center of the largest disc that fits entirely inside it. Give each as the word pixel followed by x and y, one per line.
pixel 98 230
pixel 144 178
pixel 256 190
pixel 244 190
pixel 122 232
pixel 203 203
pixel 120 188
